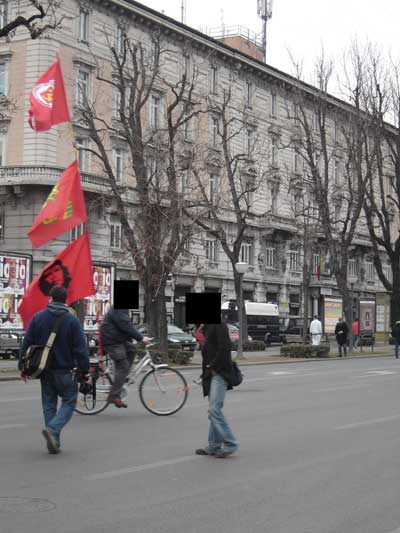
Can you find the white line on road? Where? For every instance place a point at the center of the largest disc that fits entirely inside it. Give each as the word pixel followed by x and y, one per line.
pixel 343 387
pixel 368 422
pixel 395 530
pixel 12 426
pixel 139 468
pixel 19 399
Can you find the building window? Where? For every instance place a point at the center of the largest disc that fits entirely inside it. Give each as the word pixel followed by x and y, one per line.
pixel 273 105
pixel 115 234
pixel 249 142
pixel 352 268
pixel 297 202
pixel 184 181
pixel 82 87
pixel 369 271
pixel 336 175
pixel 270 258
pixel 214 80
pixel 2 149
pixel 119 163
pixel 294 261
pixel 387 272
pixel 249 188
pixel 296 161
pixel 120 40
pixel 3 13
pixel 249 93
pixel 212 250
pixel 247 253
pixel 84 25
pixel 82 146
pixel 3 88
pixel 116 102
pixel 76 232
pixel 155 112
pixel 274 152
pixel 316 264
pixel 214 132
pixel 274 198
pixel 213 183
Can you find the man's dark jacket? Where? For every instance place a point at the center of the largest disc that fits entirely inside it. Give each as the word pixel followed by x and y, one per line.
pixel 70 347
pixel 216 353
pixel 341 332
pixel 396 331
pixel 117 328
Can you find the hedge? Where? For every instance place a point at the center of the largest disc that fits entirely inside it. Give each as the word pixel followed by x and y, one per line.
pixel 253 346
pixel 181 357
pixel 305 350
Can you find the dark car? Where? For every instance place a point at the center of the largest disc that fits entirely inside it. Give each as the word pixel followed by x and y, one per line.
pixel 293 330
pixel 177 338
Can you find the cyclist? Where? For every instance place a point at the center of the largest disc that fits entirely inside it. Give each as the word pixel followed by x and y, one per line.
pixel 117 333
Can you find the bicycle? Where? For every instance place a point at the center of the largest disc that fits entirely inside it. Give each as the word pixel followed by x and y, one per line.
pixel 163 390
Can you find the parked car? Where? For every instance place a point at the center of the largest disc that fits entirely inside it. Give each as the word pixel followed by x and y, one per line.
pixel 293 330
pixel 177 338
pixel 10 343
pixel 234 335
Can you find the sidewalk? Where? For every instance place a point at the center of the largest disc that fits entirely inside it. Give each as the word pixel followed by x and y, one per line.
pixel 8 368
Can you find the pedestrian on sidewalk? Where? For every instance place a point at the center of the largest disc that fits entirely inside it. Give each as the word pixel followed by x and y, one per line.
pixel 316 331
pixel 355 328
pixel 396 337
pixel 217 379
pixel 341 332
pixel 59 381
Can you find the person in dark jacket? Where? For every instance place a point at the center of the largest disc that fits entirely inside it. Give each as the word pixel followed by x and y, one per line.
pixel 341 332
pixel 396 337
pixel 69 351
pixel 217 379
pixel 117 333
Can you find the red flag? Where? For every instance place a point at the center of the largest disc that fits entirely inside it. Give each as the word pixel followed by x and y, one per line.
pixel 72 268
pixel 64 208
pixel 48 101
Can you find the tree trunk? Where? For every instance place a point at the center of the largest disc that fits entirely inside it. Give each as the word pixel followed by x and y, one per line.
pixel 395 295
pixel 237 292
pixel 156 311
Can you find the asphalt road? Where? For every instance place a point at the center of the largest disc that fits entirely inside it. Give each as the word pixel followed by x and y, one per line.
pixel 320 447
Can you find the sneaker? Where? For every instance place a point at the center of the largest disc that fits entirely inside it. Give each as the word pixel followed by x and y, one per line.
pixel 52 445
pixel 224 453
pixel 117 402
pixel 206 451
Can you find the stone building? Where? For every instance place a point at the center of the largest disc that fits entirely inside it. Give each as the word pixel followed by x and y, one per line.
pixel 32 162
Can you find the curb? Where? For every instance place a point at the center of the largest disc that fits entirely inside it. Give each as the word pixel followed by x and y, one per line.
pixel 15 377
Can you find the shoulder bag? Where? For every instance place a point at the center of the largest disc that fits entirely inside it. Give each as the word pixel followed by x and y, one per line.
pixel 37 357
pixel 237 376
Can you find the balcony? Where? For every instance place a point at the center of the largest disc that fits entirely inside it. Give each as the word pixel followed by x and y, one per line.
pixel 42 175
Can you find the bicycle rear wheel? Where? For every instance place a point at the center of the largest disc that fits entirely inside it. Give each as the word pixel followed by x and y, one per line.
pixel 96 401
pixel 163 391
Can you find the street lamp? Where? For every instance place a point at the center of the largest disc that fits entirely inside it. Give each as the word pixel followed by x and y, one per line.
pixel 241 269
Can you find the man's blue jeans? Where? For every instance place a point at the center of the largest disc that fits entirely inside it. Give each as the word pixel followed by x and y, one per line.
pixel 55 384
pixel 220 433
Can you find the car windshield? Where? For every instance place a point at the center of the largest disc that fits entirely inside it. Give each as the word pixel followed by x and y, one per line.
pixel 175 329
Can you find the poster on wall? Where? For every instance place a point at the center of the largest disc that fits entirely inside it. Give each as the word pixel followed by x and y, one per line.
pixel 367 315
pixel 14 280
pixel 333 310
pixel 96 306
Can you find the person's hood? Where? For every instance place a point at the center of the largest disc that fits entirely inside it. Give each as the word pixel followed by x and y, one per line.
pixel 398 322
pixel 57 308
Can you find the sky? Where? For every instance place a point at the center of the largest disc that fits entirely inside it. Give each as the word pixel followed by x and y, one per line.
pixel 301 26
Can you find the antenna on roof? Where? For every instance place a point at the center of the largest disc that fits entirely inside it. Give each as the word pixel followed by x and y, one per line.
pixel 264 10
pixel 183 12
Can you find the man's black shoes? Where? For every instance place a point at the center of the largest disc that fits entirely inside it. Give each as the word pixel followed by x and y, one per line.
pixel 52 446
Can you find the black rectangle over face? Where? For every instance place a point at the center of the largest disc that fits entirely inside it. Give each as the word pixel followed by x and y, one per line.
pixel 126 294
pixel 203 308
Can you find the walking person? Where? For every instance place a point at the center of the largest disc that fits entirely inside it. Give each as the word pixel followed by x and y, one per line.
pixel 68 352
pixel 217 379
pixel 117 332
pixel 341 332
pixel 316 331
pixel 396 337
pixel 355 328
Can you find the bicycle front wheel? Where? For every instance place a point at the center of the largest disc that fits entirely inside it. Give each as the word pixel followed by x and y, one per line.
pixel 96 401
pixel 163 391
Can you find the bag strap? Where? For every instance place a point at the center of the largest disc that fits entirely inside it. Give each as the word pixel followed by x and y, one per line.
pixel 48 346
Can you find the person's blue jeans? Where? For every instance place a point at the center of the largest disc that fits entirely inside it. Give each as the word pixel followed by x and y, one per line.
pixel 220 434
pixel 58 384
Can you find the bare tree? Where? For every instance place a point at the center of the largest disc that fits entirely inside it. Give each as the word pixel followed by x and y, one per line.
pixel 42 18
pixel 234 159
pixel 154 224
pixel 325 137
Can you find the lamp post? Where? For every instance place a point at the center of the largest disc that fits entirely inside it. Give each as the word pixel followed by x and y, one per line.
pixel 241 269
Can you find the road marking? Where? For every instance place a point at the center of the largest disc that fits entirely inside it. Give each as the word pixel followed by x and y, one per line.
pixel 12 426
pixel 395 530
pixel 20 399
pixel 343 387
pixel 139 468
pixel 380 372
pixel 369 422
pixel 279 373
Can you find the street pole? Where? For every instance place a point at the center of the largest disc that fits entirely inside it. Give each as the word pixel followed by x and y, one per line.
pixel 240 315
